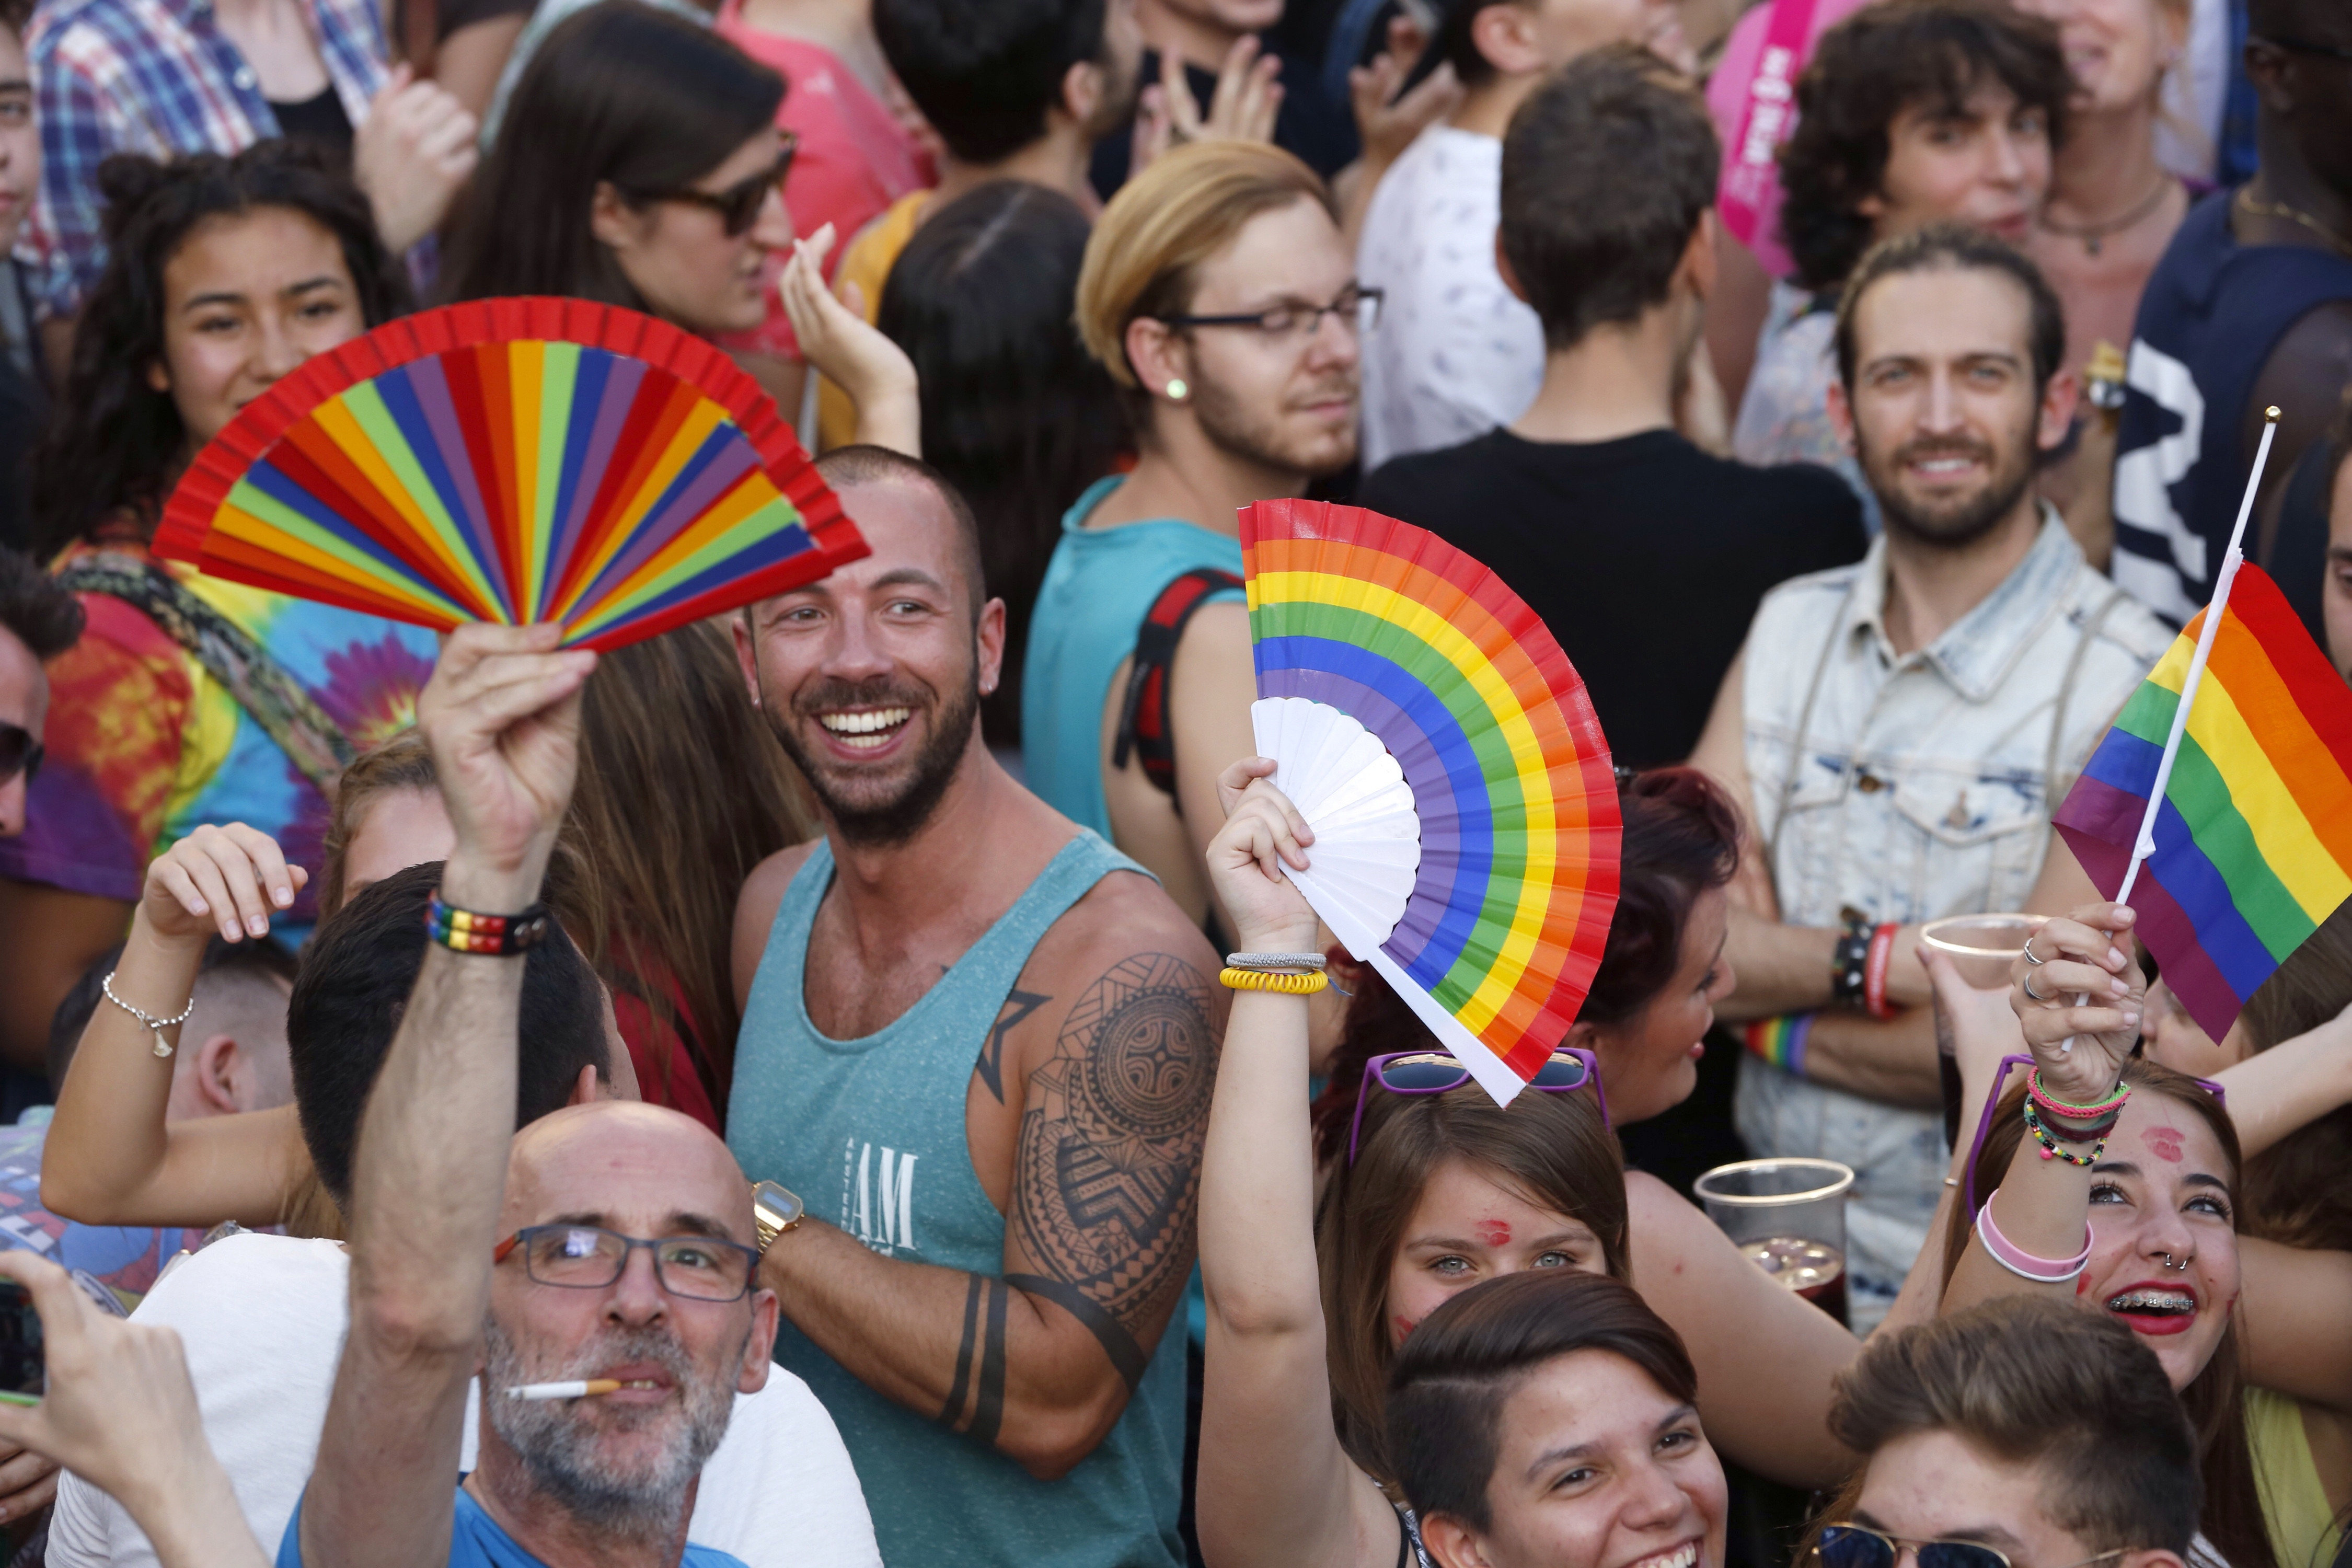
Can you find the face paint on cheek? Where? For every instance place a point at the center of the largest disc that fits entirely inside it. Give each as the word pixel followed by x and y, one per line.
pixel 1494 1233
pixel 1402 1325
pixel 2164 1142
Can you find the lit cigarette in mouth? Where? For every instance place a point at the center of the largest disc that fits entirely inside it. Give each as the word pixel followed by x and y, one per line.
pixel 577 1390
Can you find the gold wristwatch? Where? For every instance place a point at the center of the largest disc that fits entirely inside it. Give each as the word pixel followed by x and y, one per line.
pixel 775 1211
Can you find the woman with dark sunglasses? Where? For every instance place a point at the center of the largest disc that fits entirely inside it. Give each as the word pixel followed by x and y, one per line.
pixel 639 165
pixel 1309 1302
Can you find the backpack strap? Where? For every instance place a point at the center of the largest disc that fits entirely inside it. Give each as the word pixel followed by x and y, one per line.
pixel 272 697
pixel 1143 716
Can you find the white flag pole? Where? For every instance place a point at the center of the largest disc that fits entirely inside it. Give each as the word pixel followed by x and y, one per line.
pixel 2144 844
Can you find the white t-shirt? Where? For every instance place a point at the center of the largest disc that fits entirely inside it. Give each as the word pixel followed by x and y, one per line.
pixel 263 1319
pixel 1455 352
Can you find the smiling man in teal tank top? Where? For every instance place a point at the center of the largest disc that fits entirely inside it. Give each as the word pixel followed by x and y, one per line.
pixel 978 1043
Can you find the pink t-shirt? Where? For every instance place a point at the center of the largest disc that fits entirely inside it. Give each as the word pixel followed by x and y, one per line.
pixel 855 157
pixel 1727 101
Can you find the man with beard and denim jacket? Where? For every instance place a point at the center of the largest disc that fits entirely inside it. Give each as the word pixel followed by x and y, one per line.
pixel 1900 730
pixel 980 1042
pixel 607 1245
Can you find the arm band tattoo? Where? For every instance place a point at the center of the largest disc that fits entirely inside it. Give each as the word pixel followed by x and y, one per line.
pixel 988 1402
pixel 952 1413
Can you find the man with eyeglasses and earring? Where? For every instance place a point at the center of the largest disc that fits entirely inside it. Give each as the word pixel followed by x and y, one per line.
pixel 38 621
pixel 2250 306
pixel 2024 1433
pixel 600 1264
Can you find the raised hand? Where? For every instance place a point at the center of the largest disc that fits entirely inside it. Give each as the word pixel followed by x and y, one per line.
pixel 502 717
pixel 2079 1049
pixel 841 345
pixel 1263 833
pixel 412 154
pixel 229 880
pixel 1242 108
pixel 1386 123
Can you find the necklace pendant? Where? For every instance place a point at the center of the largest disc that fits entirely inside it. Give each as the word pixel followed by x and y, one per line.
pixel 163 1047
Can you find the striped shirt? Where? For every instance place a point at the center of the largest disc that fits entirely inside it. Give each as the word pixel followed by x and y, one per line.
pixel 156 77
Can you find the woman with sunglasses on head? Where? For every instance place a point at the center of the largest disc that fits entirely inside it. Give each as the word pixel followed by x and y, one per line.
pixel 2150 1227
pixel 1429 1188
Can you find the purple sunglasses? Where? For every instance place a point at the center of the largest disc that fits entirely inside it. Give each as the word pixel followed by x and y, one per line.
pixel 1976 1147
pixel 1571 1067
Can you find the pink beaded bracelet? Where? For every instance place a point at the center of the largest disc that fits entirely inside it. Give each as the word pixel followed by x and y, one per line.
pixel 2024 1264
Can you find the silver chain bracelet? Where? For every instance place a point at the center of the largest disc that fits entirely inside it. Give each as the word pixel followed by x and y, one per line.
pixel 157 1026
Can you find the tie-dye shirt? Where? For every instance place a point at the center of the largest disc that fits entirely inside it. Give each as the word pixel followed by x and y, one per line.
pixel 144 744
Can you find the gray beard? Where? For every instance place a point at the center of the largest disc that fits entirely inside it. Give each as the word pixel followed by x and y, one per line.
pixel 559 1451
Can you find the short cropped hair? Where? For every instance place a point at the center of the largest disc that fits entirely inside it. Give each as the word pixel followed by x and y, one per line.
pixel 1866 70
pixel 1608 170
pixel 1145 257
pixel 1462 1365
pixel 986 73
pixel 36 608
pixel 1956 247
pixel 869 465
pixel 354 989
pixel 2038 1382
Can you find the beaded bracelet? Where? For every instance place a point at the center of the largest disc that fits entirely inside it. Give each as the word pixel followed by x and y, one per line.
pixel 494 936
pixel 2050 1149
pixel 2024 1264
pixel 2052 1106
pixel 1273 960
pixel 1269 980
pixel 1781 1041
pixel 1848 957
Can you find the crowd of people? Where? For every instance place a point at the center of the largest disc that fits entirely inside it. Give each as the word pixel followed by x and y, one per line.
pixel 1861 392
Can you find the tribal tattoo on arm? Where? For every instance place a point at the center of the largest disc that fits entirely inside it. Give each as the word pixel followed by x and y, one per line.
pixel 1107 1178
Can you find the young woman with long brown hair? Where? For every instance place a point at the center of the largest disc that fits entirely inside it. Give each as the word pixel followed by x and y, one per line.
pixel 1428 1190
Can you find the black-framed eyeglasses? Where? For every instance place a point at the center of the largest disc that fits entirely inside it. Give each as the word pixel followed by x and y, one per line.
pixel 589 1258
pixel 1571 1067
pixel 20 752
pixel 2305 46
pixel 739 204
pixel 1356 306
pixel 1858 1546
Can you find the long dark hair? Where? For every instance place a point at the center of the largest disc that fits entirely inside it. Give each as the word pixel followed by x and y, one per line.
pixel 114 444
pixel 620 93
pixel 2232 1510
pixel 1015 413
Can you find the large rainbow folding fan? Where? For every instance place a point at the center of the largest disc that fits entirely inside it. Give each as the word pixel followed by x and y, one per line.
pixel 514 461
pixel 1443 748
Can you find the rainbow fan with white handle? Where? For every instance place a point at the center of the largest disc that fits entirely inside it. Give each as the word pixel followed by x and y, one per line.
pixel 514 461
pixel 1437 739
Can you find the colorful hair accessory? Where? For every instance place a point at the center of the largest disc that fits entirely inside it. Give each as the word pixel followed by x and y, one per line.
pixel 496 936
pixel 2051 1149
pixel 1274 980
pixel 514 461
pixel 1461 791
pixel 2024 1264
pixel 1874 971
pixel 1781 1041
pixel 2052 1106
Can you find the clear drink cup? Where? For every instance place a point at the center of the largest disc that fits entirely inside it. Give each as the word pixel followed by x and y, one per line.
pixel 1788 1217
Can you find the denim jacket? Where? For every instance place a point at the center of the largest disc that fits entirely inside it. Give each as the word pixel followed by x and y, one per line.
pixel 1910 787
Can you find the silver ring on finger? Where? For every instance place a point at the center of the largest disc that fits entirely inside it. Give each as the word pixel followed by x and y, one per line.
pixel 2028 983
pixel 2037 962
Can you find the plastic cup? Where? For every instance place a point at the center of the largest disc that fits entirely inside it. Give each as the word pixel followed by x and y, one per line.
pixel 1982 946
pixel 1788 1217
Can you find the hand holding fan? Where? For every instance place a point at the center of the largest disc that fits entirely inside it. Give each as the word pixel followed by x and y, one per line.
pixel 514 461
pixel 1434 735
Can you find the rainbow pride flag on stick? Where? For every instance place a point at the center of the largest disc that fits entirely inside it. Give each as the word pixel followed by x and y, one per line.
pixel 2227 778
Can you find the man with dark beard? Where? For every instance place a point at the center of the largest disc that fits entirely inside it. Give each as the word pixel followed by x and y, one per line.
pixel 982 1043
pixel 1218 293
pixel 1901 728
pixel 608 1248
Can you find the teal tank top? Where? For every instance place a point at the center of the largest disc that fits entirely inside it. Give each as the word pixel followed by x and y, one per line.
pixel 1098 589
pixel 870 1134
